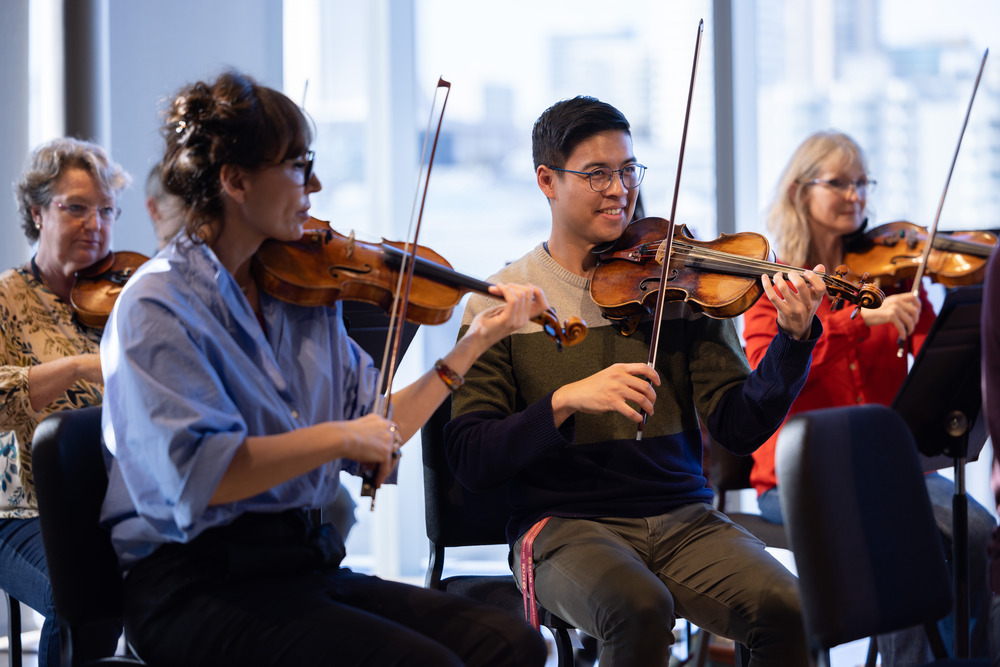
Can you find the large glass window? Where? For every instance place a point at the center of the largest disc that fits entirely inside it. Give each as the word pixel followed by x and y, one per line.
pixel 506 67
pixel 896 75
pixel 483 206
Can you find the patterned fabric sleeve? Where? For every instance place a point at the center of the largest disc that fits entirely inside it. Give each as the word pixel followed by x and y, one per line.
pixel 35 327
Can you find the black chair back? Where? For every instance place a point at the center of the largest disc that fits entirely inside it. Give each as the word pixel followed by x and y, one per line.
pixel 457 517
pixel 731 472
pixel 70 482
pixel 869 557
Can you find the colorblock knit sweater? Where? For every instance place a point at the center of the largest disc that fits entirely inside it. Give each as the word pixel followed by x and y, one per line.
pixel 503 431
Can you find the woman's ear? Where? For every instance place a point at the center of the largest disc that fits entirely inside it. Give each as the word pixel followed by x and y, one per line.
pixel 793 189
pixel 232 182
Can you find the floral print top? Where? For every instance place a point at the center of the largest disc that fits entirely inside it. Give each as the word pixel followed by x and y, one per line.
pixel 35 326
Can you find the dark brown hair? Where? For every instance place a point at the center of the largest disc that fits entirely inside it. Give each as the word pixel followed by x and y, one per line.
pixel 232 120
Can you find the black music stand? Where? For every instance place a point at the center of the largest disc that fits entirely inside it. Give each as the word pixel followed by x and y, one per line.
pixel 941 401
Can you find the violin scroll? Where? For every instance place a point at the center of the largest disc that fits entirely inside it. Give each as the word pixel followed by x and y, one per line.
pixel 572 331
pixel 863 295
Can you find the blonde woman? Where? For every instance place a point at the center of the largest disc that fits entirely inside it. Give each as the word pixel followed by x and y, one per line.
pixel 820 202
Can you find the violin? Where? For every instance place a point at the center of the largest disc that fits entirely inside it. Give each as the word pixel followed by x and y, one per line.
pixel 720 278
pixel 324 266
pixel 891 253
pixel 97 287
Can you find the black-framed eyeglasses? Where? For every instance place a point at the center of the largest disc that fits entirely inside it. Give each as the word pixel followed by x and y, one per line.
pixel 82 211
pixel 600 178
pixel 306 165
pixel 862 186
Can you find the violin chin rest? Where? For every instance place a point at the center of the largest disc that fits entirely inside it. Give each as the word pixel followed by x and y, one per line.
pixel 602 248
pixel 626 325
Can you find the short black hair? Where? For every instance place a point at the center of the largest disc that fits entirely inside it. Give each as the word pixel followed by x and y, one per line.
pixel 565 124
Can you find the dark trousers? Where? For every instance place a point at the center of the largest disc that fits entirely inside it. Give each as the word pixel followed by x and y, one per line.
pixel 268 590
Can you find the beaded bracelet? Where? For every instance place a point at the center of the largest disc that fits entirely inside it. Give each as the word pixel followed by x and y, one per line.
pixel 448 376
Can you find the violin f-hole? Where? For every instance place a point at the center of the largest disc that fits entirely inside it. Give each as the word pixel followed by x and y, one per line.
pixel 644 284
pixel 347 268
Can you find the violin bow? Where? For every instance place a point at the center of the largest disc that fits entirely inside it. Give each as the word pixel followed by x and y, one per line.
pixel 669 241
pixel 922 265
pixel 397 316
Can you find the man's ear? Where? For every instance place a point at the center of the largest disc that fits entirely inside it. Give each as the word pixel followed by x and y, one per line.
pixel 232 182
pixel 546 180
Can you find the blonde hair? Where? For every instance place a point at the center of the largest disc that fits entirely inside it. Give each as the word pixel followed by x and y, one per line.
pixel 786 217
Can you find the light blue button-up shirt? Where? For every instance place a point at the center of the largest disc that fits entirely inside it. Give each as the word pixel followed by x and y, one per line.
pixel 189 375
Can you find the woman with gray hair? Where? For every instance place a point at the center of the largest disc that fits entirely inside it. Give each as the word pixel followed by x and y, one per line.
pixel 67 198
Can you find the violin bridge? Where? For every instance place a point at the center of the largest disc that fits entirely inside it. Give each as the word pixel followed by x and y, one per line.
pixel 661 252
pixel 350 244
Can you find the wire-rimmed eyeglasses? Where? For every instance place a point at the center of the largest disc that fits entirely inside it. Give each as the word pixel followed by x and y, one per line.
pixel 600 178
pixel 82 211
pixel 305 164
pixel 862 186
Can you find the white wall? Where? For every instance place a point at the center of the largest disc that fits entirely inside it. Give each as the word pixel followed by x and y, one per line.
pixel 14 112
pixel 156 47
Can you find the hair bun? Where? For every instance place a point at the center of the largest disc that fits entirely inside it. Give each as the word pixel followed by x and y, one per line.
pixel 191 108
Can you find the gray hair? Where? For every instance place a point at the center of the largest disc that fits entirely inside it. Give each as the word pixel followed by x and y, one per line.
pixel 48 162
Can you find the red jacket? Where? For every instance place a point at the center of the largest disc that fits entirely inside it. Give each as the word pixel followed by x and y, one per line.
pixel 851 365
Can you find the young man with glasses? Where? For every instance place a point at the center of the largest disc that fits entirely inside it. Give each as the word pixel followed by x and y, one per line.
pixel 615 535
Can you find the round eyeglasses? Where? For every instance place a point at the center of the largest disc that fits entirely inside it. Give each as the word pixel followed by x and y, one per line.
pixel 82 211
pixel 862 186
pixel 600 178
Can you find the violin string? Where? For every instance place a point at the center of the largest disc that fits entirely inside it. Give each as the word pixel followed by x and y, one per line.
pixel 963 247
pixel 757 267
pixel 746 265
pixel 749 264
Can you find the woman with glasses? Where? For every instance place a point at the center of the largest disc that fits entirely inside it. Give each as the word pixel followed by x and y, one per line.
pixel 231 414
pixel 819 204
pixel 67 198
